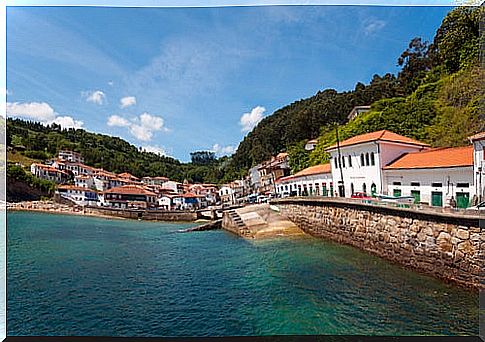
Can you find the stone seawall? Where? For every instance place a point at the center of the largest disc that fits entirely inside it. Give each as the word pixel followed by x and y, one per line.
pixel 144 214
pixel 444 245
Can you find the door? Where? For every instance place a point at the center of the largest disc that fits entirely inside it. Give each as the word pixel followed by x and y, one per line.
pixel 324 190
pixel 396 193
pixel 417 196
pixel 437 199
pixel 462 199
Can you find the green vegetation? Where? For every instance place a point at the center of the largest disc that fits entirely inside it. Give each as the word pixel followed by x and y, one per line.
pixel 18 173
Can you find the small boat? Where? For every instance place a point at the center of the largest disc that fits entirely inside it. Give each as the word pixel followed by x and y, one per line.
pixel 395 199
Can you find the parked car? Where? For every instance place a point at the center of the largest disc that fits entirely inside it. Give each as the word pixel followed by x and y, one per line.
pixel 480 206
pixel 360 195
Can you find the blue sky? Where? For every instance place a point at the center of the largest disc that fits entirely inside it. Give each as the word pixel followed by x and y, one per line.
pixel 183 79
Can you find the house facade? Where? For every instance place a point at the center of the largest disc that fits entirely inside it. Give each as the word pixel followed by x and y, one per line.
pixel 478 141
pixel 50 173
pixel 357 164
pixel 70 156
pixel 433 176
pixel 130 196
pixel 313 181
pixel 79 195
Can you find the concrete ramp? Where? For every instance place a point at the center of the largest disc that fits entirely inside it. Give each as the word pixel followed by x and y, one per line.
pixel 260 221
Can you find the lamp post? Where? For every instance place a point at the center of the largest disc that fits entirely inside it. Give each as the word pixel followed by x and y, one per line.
pixel 341 188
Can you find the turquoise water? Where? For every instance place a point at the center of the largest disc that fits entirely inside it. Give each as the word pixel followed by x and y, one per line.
pixel 70 275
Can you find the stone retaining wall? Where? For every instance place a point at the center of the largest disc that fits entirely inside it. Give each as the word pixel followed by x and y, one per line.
pixel 442 245
pixel 158 215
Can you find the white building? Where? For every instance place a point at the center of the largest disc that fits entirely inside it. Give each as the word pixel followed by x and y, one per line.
pixel 79 195
pixel 433 176
pixel 226 194
pixel 362 159
pixel 313 181
pixel 49 173
pixel 356 111
pixel 84 181
pixel 478 141
pixel 173 186
pixel 70 156
pixel 311 144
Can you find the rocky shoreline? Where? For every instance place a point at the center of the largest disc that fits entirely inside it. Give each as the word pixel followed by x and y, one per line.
pixel 53 208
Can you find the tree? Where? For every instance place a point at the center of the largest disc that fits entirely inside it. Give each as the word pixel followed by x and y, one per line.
pixel 202 157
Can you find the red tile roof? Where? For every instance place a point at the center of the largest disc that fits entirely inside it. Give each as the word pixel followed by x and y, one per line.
pixel 127 175
pixel 309 171
pixel 434 158
pixel 130 190
pixel 383 135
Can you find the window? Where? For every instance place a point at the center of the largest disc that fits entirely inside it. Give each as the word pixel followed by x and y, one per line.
pixel 362 159
pixel 367 159
pixel 343 161
pixel 352 188
pixel 372 159
pixel 436 185
pixel 364 188
pixel 414 183
pixel 462 185
pixel 336 163
pixel 396 183
pixel 350 161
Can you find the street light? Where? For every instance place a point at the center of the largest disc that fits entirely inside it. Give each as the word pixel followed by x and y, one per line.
pixel 341 187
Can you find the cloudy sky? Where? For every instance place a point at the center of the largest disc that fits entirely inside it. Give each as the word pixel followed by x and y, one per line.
pixel 176 80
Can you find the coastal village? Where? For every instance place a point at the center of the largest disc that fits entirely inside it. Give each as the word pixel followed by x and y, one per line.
pixel 381 165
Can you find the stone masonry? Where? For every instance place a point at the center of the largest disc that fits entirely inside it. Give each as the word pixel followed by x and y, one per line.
pixel 446 246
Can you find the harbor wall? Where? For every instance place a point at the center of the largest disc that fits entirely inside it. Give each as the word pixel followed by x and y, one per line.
pixel 444 245
pixel 159 215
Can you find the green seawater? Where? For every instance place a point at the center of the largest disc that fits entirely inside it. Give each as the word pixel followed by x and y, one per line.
pixel 73 275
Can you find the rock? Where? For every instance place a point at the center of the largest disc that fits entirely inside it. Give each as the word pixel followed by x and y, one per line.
pixel 462 234
pixel 466 247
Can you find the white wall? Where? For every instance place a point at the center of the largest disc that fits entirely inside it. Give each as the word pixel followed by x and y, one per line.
pixel 311 181
pixel 448 177
pixel 359 174
pixel 479 167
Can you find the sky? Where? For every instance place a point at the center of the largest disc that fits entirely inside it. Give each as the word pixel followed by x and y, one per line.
pixel 178 80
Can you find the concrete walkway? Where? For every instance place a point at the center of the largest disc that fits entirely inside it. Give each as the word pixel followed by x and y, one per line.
pixel 263 222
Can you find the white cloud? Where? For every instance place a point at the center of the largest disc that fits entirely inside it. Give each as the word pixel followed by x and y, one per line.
pixel 118 121
pixel 96 96
pixel 110 83
pixel 155 149
pixel 127 101
pixel 68 122
pixel 372 25
pixel 249 120
pixel 141 127
pixel 41 112
pixel 223 150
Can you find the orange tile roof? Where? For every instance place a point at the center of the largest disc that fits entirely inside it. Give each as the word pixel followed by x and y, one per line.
pixel 478 136
pixel 127 175
pixel 383 135
pixel 130 190
pixel 434 158
pixel 309 171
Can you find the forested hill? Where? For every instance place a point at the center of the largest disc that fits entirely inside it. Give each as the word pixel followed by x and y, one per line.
pixel 434 97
